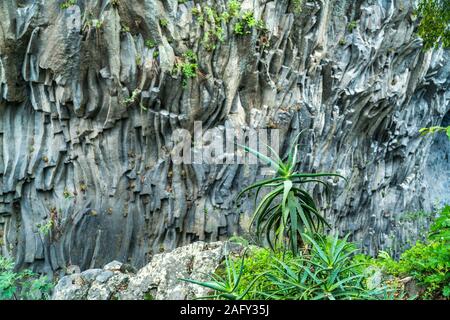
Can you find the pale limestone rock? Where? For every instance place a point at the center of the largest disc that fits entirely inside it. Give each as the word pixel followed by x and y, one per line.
pixel 160 279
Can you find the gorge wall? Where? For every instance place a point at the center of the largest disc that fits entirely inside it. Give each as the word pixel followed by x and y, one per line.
pixel 89 102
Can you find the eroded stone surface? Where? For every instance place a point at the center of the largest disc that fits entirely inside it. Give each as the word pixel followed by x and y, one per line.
pixel 74 152
pixel 160 279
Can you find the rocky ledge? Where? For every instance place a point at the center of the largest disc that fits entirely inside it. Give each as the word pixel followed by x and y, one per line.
pixel 159 279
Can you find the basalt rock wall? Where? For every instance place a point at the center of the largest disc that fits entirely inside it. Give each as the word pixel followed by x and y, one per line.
pixel 90 97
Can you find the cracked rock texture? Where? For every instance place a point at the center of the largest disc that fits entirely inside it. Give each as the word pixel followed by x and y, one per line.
pixel 157 280
pixel 88 108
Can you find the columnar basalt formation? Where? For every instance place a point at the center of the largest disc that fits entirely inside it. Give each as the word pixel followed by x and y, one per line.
pixel 89 102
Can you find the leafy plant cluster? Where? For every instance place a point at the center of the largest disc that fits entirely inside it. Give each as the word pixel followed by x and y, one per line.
pixel 133 98
pixel 436 129
pixel 23 285
pixel 150 44
pixel 328 270
pixel 187 66
pixel 434 27
pixel 297 5
pixel 214 23
pixel 67 4
pixel 427 262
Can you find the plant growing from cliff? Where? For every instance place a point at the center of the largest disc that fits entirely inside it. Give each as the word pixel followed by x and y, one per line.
pixel 23 285
pixel 149 43
pixel 132 99
pixel 125 28
pixel 297 6
pixel 163 23
pixel 67 4
pixel 234 7
pixel 46 227
pixel 98 23
pixel 215 23
pixel 187 66
pixel 352 26
pixel 434 27
pixel 436 129
pixel 246 23
pixel 288 211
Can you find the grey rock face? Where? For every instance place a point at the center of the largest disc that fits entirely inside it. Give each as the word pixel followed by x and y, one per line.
pixel 77 154
pixel 157 280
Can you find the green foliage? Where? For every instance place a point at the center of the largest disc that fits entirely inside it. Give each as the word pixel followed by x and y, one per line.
pixel 148 296
pixel 326 271
pixel 163 23
pixel 428 262
pixel 246 23
pixel 440 229
pixel 352 25
pixel 188 66
pixel 297 5
pixel 214 23
pixel 67 4
pixel 45 228
pixel 98 24
pixel 132 99
pixel 225 287
pixel 415 216
pixel 149 43
pixel 240 240
pixel 23 285
pixel 67 194
pixel 234 7
pixel 288 210
pixel 435 22
pixel 258 263
pixel 239 28
pixel 432 130
pixel 125 28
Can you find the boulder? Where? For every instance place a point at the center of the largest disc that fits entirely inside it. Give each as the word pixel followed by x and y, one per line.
pixel 159 279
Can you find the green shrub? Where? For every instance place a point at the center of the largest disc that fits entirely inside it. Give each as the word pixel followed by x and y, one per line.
pixel 187 66
pixel 435 19
pixel 258 264
pixel 328 270
pixel 149 43
pixel 67 4
pixel 352 26
pixel 297 6
pixel 23 285
pixel 428 262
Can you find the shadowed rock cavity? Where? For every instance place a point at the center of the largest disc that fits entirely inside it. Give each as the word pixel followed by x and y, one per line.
pixel 88 108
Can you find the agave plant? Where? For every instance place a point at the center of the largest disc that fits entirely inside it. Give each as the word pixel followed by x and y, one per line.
pixel 327 272
pixel 288 211
pixel 226 287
